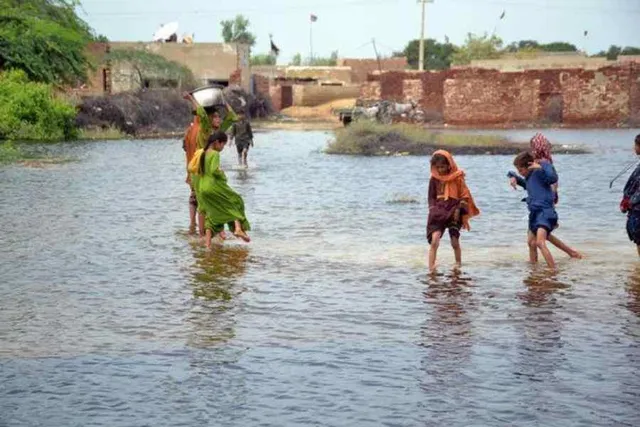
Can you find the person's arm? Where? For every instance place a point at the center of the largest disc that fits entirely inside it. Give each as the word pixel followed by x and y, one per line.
pixel 549 172
pixel 519 180
pixel 250 131
pixel 432 193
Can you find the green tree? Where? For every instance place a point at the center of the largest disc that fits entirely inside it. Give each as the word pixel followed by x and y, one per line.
pixel 263 59
pixel 437 56
pixel 45 38
pixel 477 47
pixel 237 31
pixel 297 60
pixel 630 50
pixel 331 61
pixel 559 47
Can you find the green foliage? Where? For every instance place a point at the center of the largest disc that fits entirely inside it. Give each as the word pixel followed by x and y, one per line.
pixel 374 139
pixel 558 47
pixel 437 56
pixel 614 51
pixel 263 59
pixel 237 31
pixel 477 47
pixel 151 66
pixel 297 60
pixel 331 61
pixel 45 38
pixel 30 111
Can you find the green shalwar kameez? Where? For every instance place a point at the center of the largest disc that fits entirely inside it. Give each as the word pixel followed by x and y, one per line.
pixel 216 200
pixel 220 203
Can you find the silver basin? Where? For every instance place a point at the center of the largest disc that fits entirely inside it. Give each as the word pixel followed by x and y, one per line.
pixel 209 96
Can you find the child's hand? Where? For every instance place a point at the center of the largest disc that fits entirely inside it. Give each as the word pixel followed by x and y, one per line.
pixel 186 95
pixel 513 182
pixel 535 166
pixel 625 205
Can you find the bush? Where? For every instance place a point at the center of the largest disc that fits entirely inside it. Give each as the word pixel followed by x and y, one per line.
pixel 31 111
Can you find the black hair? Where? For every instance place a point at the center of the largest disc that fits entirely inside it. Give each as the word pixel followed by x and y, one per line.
pixel 523 160
pixel 217 136
pixel 638 139
pixel 439 159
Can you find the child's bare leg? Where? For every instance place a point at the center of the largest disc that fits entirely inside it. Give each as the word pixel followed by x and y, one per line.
pixel 564 247
pixel 201 223
pixel 541 243
pixel 192 219
pixel 245 153
pixel 208 238
pixel 533 248
pixel 457 250
pixel 433 249
pixel 239 232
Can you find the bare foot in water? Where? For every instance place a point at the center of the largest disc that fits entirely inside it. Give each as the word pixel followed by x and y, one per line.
pixel 576 255
pixel 240 234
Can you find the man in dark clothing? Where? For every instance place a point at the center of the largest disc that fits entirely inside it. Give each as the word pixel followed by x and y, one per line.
pixel 242 133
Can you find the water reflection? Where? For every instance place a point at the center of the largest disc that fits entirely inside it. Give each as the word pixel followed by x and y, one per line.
pixel 447 332
pixel 215 280
pixel 540 345
pixel 633 291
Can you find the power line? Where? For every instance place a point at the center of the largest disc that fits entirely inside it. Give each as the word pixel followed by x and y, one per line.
pixel 264 10
pixel 267 9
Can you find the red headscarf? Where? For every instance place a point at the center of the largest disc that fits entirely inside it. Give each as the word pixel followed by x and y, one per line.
pixel 541 148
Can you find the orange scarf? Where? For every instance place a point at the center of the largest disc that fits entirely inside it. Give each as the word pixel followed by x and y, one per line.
pixel 455 187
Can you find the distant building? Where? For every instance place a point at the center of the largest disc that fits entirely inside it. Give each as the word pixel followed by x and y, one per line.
pixel 210 63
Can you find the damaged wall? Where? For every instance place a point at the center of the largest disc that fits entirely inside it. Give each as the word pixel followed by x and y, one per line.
pixel 608 96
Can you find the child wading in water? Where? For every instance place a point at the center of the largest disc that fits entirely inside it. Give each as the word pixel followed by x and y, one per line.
pixel 218 201
pixel 450 205
pixel 539 177
pixel 206 121
pixel 541 151
pixel 630 203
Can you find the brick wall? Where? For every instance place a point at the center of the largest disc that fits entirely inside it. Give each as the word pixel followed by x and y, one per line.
pixel 634 96
pixel 504 98
pixel 360 68
pixel 609 96
pixel 598 97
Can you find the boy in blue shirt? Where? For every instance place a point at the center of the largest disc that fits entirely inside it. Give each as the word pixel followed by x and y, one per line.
pixel 538 180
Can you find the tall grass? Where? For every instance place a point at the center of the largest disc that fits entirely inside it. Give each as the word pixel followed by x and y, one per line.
pixel 370 138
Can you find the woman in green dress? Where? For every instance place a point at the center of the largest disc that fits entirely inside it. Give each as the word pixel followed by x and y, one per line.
pixel 217 200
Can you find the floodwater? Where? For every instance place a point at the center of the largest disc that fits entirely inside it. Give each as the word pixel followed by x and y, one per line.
pixel 111 316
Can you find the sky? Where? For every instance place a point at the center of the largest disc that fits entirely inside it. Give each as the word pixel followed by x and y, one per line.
pixel 349 26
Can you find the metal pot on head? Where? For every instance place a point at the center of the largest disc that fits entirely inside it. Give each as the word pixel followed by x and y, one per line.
pixel 209 96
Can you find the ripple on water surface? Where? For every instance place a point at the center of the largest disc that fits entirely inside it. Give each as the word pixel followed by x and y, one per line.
pixel 111 315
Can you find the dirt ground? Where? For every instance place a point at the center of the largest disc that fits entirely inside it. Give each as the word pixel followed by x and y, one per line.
pixel 321 112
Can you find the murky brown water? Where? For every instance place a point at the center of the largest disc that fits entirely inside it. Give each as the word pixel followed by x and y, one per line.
pixel 110 315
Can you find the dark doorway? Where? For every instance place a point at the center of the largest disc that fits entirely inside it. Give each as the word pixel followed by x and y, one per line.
pixel 287 96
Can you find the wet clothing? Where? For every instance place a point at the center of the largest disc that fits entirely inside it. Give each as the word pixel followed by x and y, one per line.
pixel 541 150
pixel 448 194
pixel 631 205
pixel 540 196
pixel 243 134
pixel 441 212
pixel 198 133
pixel 217 200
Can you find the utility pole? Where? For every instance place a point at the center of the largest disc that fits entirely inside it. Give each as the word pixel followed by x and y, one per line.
pixel 423 3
